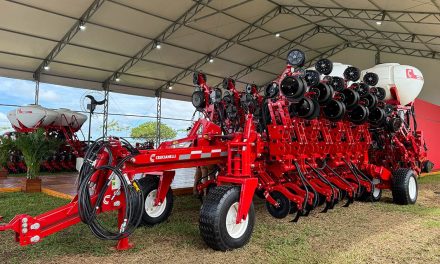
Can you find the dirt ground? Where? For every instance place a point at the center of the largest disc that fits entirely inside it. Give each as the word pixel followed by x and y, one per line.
pixel 362 233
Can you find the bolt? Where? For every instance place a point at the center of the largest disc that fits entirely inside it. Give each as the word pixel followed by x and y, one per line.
pixel 24 220
pixel 35 239
pixel 24 230
pixel 35 226
pixel 117 203
pixel 133 160
pixel 24 225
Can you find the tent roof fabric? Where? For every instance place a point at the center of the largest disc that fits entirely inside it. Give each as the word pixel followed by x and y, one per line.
pixel 119 50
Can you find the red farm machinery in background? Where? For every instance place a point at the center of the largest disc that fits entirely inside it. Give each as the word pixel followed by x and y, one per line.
pixel 62 124
pixel 313 138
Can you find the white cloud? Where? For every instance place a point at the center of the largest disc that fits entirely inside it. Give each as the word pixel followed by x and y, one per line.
pixel 49 95
pixel 3 117
pixel 5 125
pixel 18 89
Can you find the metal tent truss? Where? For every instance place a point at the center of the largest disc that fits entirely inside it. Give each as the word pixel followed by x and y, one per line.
pixel 309 22
pixel 390 35
pixel 151 45
pixel 367 14
pixel 282 50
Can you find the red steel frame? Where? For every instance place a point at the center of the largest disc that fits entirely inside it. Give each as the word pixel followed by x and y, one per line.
pixel 269 162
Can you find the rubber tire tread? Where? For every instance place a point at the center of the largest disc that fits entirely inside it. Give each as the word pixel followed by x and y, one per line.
pixel 400 188
pixel 218 201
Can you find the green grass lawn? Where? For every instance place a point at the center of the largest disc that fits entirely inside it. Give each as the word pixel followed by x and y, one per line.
pixel 380 232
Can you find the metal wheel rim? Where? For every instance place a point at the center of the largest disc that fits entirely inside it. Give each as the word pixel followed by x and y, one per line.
pixel 235 230
pixel 150 209
pixel 376 191
pixel 412 188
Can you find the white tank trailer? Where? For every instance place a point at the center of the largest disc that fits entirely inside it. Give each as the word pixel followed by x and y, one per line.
pixel 36 116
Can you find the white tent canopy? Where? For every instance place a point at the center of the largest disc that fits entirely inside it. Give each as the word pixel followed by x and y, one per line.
pixel 118 48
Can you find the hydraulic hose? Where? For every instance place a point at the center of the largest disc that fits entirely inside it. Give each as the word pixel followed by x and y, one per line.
pixel 88 211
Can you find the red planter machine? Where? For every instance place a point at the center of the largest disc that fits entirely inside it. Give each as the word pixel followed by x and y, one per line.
pixel 61 124
pixel 312 140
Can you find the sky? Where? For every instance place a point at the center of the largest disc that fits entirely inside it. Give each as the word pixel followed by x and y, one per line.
pixel 21 92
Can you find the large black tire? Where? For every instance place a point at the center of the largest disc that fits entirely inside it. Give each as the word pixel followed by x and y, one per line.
pixel 404 186
pixel 283 210
pixel 153 215
pixel 213 214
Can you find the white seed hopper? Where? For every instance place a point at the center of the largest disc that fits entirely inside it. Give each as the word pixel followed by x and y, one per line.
pixel 12 117
pixel 67 117
pixel 32 116
pixel 408 80
pixel 35 116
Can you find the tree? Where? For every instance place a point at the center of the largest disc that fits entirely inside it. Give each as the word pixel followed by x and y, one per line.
pixel 148 131
pixel 114 126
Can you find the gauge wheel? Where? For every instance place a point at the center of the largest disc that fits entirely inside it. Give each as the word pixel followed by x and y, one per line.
pixel 284 205
pixel 217 223
pixel 152 214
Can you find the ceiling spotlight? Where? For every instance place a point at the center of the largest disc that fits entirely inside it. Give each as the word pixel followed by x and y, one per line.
pixel 379 22
pixel 170 87
pixel 118 79
pixel 211 59
pixel 157 45
pixel 82 26
pixel 46 66
pixel 277 35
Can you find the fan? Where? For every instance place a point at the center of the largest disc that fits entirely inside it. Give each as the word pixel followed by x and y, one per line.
pixel 88 104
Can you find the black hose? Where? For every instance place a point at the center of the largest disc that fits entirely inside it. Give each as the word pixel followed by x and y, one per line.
pixel 366 178
pixel 304 183
pixel 133 196
pixel 339 176
pixel 322 178
pixel 355 175
pixel 413 114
